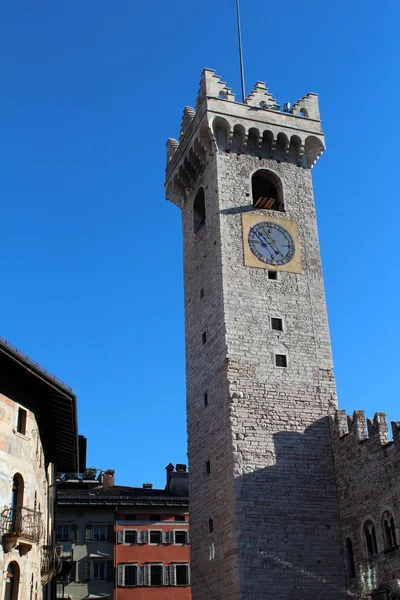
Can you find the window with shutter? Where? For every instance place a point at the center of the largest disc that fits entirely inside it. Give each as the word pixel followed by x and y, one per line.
pixel 110 570
pixel 110 534
pixel 130 536
pixel 171 575
pixel 120 536
pixel 72 574
pixel 145 537
pixel 170 537
pixel 89 533
pixel 74 532
pixel 164 537
pixel 156 575
pixel 140 576
pixel 155 537
pixel 87 570
pixel 146 575
pixel 130 575
pixel 182 576
pixel 180 537
pixel 120 575
pixel 165 575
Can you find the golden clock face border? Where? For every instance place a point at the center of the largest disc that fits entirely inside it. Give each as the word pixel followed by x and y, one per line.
pixel 250 219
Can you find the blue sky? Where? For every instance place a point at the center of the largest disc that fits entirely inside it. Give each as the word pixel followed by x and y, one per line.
pixel 90 93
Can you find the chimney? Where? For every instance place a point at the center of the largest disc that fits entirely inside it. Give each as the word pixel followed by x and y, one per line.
pixel 147 486
pixel 108 479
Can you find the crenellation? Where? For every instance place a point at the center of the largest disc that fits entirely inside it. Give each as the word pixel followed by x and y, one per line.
pixel 378 429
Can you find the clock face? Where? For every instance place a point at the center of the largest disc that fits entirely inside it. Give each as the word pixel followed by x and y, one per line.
pixel 271 243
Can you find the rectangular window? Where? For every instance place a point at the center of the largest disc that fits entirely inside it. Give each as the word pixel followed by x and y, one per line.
pixel 179 518
pixel 99 533
pixel 21 425
pixel 281 360
pixel 130 575
pixel 180 537
pixel 130 536
pixel 276 323
pixel 63 533
pixel 99 571
pixel 156 577
pixel 210 525
pixel 155 537
pixel 273 275
pixel 182 574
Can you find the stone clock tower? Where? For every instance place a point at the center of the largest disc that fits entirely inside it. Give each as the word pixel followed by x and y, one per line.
pixel 263 507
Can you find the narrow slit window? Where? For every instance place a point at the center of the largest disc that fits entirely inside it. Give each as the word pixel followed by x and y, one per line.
pixel 210 525
pixel 204 337
pixel 281 360
pixel 205 399
pixel 21 424
pixel 201 293
pixel 199 211
pixel 208 467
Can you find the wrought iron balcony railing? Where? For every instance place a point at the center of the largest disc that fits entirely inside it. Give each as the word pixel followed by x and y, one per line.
pixel 51 561
pixel 22 522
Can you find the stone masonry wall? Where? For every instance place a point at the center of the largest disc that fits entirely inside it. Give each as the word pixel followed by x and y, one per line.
pixel 213 568
pixel 286 510
pixel 367 470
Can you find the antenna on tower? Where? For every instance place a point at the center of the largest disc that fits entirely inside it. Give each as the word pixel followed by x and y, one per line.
pixel 240 50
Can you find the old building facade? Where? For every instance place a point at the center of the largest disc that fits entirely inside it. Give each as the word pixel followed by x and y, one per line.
pixel 122 542
pixel 38 434
pixel 265 514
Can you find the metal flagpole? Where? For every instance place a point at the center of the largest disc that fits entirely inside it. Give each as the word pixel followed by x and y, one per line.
pixel 240 50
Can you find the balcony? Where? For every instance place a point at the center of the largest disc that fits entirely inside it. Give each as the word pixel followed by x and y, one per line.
pixel 51 563
pixel 22 526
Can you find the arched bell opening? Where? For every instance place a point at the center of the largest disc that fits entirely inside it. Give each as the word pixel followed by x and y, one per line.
pixel 266 190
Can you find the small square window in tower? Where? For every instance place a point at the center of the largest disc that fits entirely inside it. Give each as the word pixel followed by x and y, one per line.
pixel 281 360
pixel 276 324
pixel 273 275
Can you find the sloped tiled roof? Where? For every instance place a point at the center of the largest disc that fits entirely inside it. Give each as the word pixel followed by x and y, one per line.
pixel 117 494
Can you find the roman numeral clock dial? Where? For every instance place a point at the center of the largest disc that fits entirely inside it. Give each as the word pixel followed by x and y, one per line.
pixel 271 243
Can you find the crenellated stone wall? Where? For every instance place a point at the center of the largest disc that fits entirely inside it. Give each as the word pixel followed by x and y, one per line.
pixel 367 468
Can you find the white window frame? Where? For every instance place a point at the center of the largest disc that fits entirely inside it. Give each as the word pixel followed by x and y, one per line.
pixel 121 574
pixel 98 526
pixel 186 532
pixel 163 578
pixel 173 575
pixel 160 531
pixel 121 537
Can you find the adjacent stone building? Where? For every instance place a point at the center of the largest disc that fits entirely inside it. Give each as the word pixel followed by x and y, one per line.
pixel 38 435
pixel 266 520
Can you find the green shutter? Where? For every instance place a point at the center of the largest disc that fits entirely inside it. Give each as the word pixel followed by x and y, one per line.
pixel 89 533
pixel 74 532
pixel 110 570
pixel 110 534
pixel 87 570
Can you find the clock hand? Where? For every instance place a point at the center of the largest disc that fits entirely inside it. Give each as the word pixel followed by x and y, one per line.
pixel 264 243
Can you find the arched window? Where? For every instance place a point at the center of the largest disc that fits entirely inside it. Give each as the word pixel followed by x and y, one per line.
pixel 303 112
pixel 12 581
pixel 350 558
pixel 370 538
pixel 389 532
pixel 199 211
pixel 267 191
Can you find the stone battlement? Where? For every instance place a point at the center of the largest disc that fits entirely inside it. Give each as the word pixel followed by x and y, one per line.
pixel 356 429
pixel 257 127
